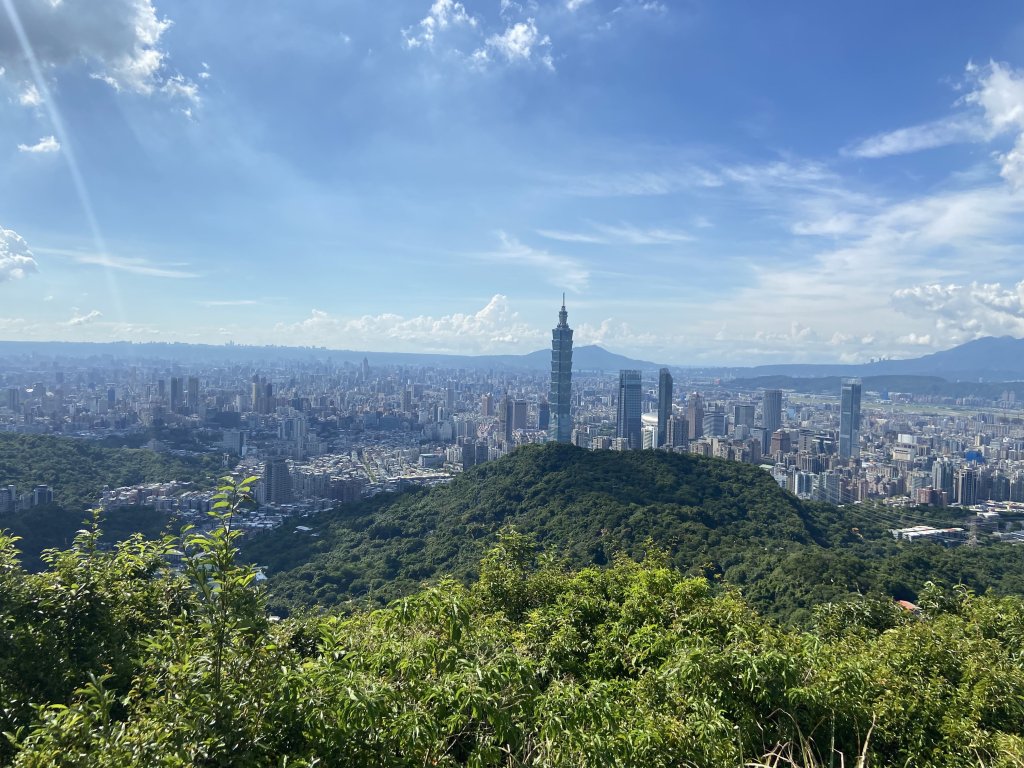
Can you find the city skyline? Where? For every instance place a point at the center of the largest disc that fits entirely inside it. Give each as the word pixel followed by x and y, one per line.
pixel 710 182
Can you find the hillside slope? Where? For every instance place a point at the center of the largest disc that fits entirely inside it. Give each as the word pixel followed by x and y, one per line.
pixel 78 469
pixel 723 520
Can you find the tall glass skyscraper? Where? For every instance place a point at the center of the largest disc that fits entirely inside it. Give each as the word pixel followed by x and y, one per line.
pixel 628 423
pixel 849 419
pixel 771 411
pixel 561 378
pixel 664 405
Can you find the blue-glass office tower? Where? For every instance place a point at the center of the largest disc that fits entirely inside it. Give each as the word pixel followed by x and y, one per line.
pixel 561 378
pixel 849 419
pixel 628 423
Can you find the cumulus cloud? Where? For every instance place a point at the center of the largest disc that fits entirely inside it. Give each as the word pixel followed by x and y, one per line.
pixel 45 145
pixel 119 41
pixel 520 42
pixel 964 312
pixel 79 319
pixel 442 14
pixel 16 260
pixel 495 327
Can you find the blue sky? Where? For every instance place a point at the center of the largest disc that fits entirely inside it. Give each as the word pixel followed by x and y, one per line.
pixel 709 182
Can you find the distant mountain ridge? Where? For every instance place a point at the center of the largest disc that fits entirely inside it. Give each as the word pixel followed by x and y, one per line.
pixel 585 358
pixel 989 359
pixel 993 358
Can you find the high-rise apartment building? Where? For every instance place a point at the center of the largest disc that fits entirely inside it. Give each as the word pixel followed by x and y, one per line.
pixel 771 410
pixel 277 482
pixel 561 379
pixel 664 405
pixel 192 393
pixel 628 424
pixel 849 420
pixel 695 415
pixel 543 416
pixel 177 394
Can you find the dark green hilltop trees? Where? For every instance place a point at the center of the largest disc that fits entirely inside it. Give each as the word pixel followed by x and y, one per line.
pixel 111 658
pixel 723 520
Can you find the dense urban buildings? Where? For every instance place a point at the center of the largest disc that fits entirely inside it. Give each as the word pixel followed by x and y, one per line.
pixel 561 378
pixel 319 432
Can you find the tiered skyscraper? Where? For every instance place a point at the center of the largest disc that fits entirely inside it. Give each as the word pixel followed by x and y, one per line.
pixel 628 423
pixel 561 378
pixel 849 420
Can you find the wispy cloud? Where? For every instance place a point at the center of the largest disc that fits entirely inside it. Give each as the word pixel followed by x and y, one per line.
pixel 133 265
pixel 916 138
pixel 83 319
pixel 43 146
pixel 561 270
pixel 228 303
pixel 623 234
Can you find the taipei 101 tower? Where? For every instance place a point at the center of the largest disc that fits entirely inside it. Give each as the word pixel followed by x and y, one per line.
pixel 561 378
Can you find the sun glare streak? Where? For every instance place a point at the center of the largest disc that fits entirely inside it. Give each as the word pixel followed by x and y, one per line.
pixel 62 135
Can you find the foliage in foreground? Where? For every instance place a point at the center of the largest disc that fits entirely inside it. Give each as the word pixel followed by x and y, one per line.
pixel 110 659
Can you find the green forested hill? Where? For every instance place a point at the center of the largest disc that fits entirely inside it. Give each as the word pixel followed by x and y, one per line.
pixel 78 469
pixel 720 519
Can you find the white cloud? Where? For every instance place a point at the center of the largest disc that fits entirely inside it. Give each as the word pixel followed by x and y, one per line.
pixel 45 145
pixel 964 312
pixel 30 97
pixel 939 133
pixel 228 303
pixel 520 42
pixel 562 271
pixel 575 5
pixel 994 107
pixel 119 41
pixel 442 14
pixel 624 234
pixel 616 333
pixel 494 328
pixel 133 265
pixel 16 260
pixel 80 319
